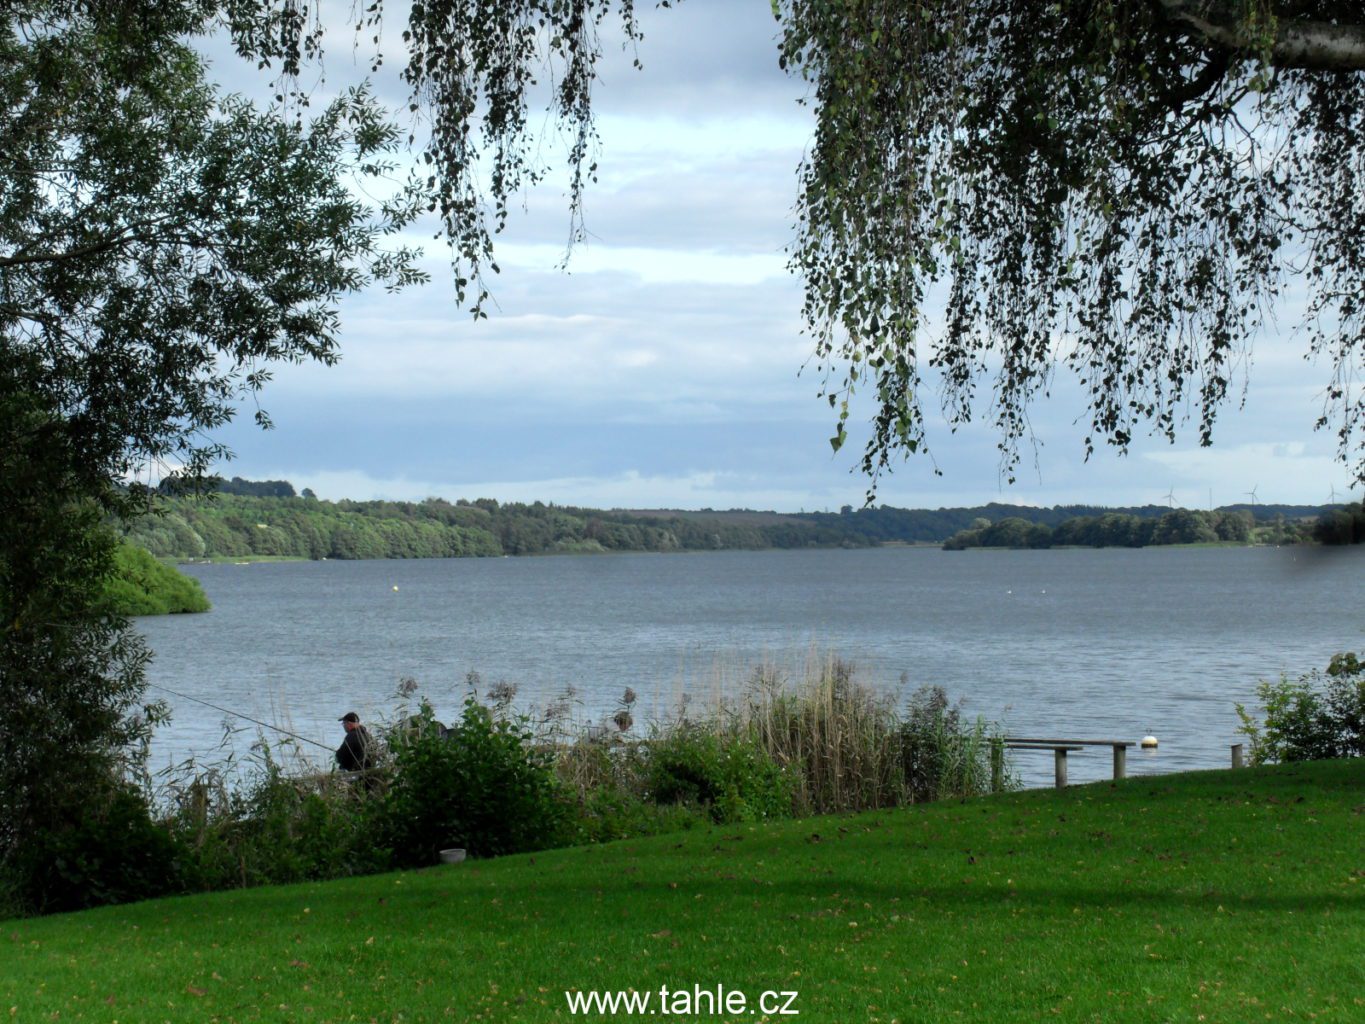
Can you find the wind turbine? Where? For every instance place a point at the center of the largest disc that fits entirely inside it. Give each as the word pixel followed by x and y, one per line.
pixel 1170 496
pixel 1252 494
pixel 1334 494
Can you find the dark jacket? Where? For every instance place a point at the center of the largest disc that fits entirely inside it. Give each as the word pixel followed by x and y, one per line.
pixel 356 751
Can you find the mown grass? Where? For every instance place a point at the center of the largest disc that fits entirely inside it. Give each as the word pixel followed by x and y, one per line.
pixel 1216 896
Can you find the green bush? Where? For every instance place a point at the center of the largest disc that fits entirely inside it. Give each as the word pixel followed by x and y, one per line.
pixel 940 755
pixel 483 785
pixel 1345 700
pixel 144 586
pixel 730 776
pixel 1314 717
pixel 493 786
pixel 607 813
pixel 112 852
pixel 275 829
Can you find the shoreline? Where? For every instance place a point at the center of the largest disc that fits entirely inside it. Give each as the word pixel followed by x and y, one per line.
pixel 891 546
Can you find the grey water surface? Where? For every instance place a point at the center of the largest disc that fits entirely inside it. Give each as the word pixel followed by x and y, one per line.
pixel 1073 643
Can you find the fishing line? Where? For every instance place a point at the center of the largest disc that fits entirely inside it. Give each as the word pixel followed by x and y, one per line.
pixel 238 714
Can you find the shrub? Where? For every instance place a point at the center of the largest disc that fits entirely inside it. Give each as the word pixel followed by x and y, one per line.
pixel 606 813
pixel 144 586
pixel 940 756
pixel 730 776
pixel 276 829
pixel 482 785
pixel 493 786
pixel 1345 700
pixel 1314 717
pixel 113 852
pixel 684 767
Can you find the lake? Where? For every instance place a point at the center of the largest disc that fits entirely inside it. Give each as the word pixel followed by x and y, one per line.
pixel 1077 643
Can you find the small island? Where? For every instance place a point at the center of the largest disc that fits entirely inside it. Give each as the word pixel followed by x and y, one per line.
pixel 143 585
pixel 1238 527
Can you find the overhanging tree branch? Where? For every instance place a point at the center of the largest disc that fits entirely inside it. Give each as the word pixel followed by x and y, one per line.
pixel 130 235
pixel 1297 42
pixel 1115 192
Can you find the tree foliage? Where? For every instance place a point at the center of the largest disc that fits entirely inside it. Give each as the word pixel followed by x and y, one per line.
pixel 474 69
pixel 1121 530
pixel 70 675
pixel 160 247
pixel 1003 191
pixel 142 585
pixel 243 527
pixel 1342 525
pixel 999 192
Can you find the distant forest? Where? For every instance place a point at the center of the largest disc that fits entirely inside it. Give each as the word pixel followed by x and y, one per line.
pixel 251 519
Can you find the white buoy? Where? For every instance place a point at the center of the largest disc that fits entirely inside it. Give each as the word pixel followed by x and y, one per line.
pixel 395 587
pixel 1149 743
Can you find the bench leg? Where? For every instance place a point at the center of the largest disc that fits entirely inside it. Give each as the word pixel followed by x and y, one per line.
pixel 1120 763
pixel 1060 762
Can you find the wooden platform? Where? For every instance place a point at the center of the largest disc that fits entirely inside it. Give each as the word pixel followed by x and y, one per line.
pixel 1060 748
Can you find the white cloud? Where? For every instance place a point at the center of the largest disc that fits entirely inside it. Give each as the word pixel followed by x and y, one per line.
pixel 1280 472
pixel 649 265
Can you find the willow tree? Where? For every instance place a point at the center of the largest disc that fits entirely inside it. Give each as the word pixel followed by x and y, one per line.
pixel 1001 193
pixel 998 191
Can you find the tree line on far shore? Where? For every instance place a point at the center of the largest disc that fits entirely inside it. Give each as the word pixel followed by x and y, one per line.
pixel 247 519
pixel 1337 526
pixel 236 526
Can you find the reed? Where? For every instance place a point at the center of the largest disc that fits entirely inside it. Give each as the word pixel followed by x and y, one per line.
pixel 843 746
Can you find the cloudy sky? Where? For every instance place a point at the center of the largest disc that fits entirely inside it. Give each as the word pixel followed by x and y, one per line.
pixel 664 368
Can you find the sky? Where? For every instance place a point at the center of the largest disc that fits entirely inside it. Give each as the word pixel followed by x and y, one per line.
pixel 666 367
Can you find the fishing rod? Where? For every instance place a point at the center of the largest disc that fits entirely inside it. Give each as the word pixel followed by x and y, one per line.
pixel 238 714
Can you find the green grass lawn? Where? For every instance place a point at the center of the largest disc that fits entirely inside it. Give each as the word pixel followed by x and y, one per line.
pixel 1216 896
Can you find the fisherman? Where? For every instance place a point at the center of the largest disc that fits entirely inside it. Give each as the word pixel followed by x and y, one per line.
pixel 357 751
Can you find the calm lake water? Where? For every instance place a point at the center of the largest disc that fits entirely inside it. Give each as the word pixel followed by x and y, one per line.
pixel 1085 643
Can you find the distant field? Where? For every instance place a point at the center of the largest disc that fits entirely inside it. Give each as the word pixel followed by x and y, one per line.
pixel 1215 896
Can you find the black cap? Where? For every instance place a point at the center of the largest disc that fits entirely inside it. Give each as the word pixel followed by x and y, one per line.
pixel 350 716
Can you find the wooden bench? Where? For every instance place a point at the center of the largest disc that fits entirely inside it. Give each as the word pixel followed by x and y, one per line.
pixel 1060 749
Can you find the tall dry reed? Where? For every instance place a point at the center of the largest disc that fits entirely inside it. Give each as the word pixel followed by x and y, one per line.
pixel 845 746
